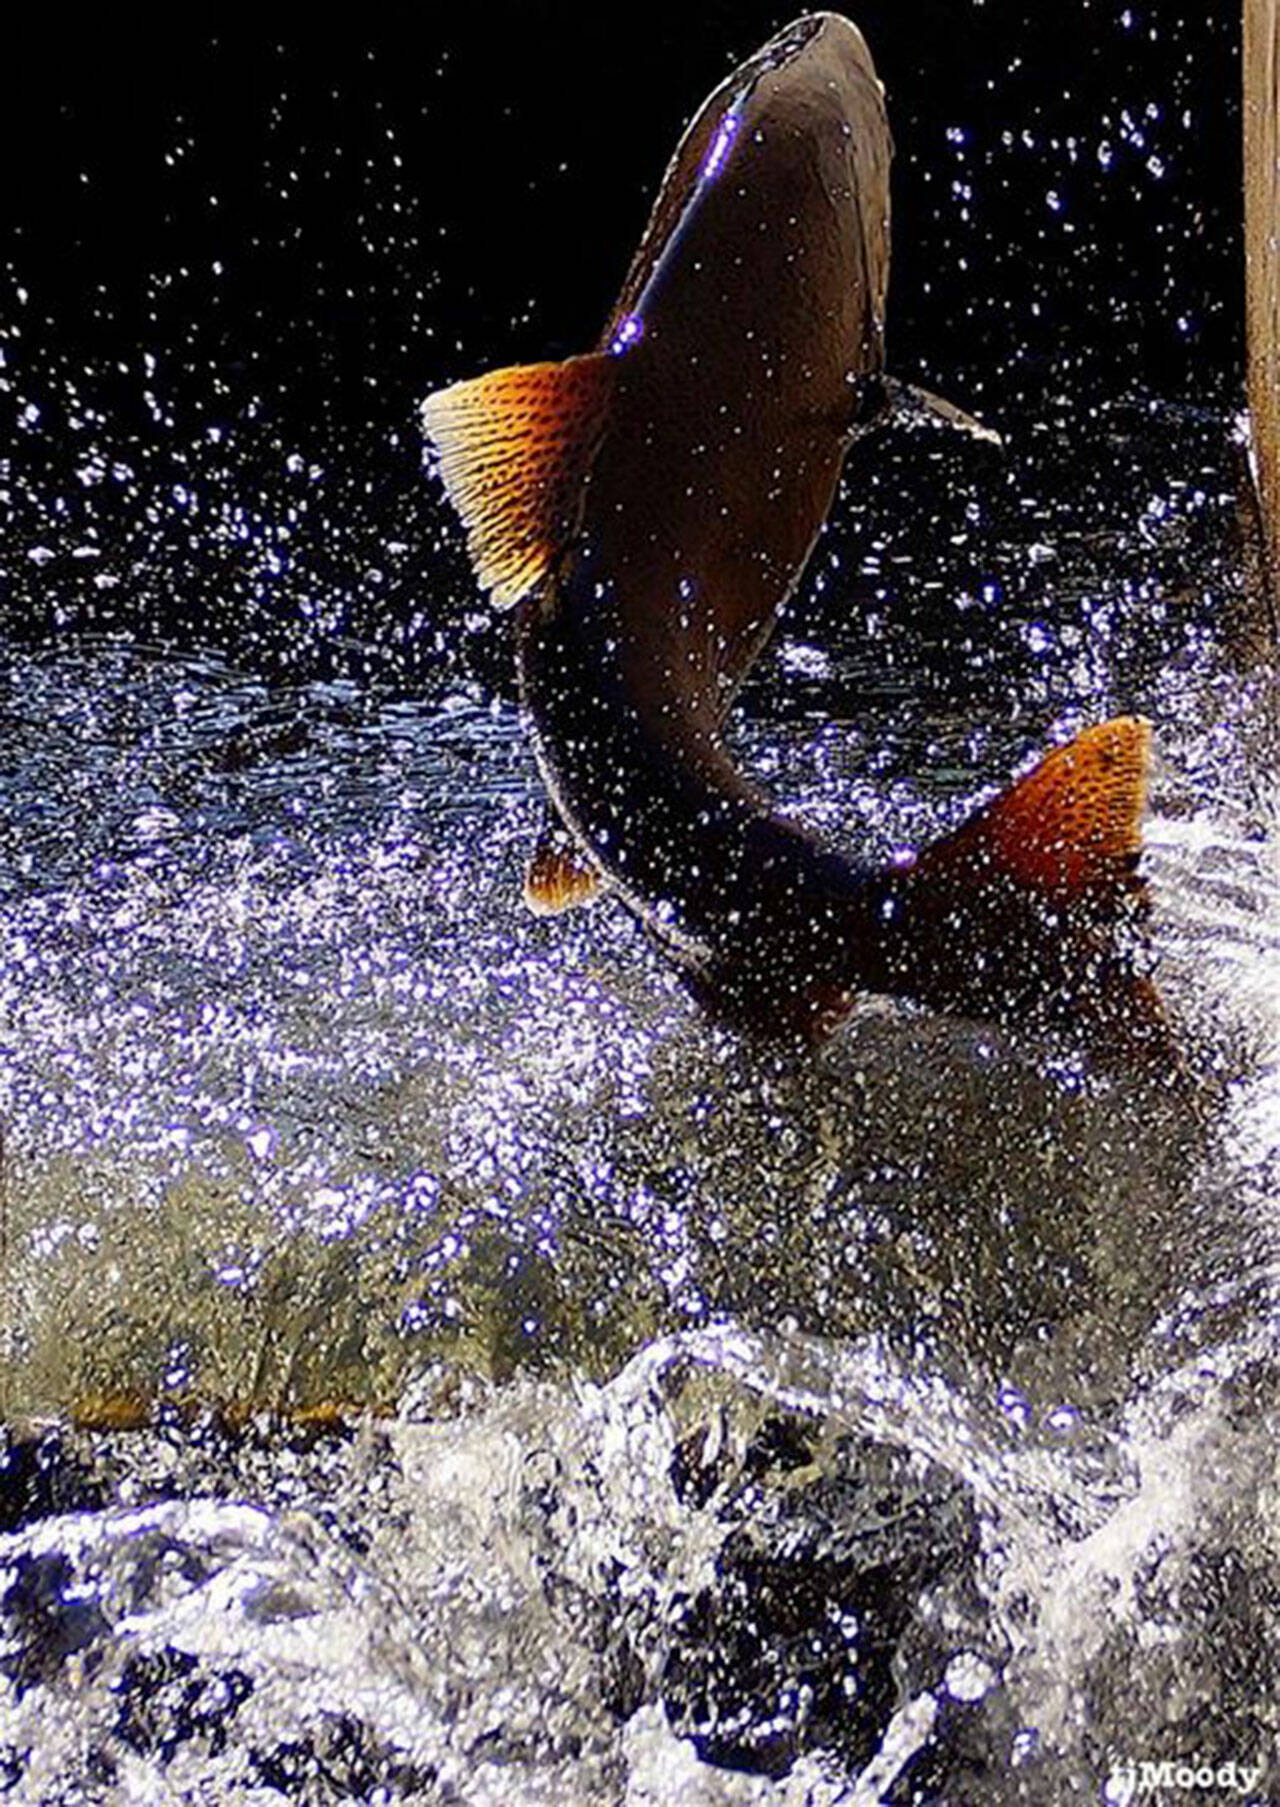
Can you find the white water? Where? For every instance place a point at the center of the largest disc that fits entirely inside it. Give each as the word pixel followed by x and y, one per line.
pixel 893 1423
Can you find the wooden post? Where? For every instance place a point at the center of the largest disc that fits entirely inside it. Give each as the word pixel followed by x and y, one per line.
pixel 1262 263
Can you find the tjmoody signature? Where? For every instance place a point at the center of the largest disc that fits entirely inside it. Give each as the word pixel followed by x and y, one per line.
pixel 1129 1779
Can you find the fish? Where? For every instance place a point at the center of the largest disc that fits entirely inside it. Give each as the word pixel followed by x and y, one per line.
pixel 649 506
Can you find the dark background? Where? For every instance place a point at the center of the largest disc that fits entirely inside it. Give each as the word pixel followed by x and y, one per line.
pixel 400 193
pixel 241 252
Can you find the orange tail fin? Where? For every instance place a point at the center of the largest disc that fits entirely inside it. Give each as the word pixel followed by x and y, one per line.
pixel 514 448
pixel 1016 914
pixel 1070 830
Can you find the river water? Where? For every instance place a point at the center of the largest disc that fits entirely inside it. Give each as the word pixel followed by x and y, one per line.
pixel 439 1366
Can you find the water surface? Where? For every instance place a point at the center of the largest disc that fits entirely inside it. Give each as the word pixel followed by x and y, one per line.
pixel 896 1423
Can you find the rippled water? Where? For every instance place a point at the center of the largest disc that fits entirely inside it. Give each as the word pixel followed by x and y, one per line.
pixel 895 1424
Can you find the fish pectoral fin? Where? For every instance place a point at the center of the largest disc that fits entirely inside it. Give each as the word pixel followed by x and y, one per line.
pixel 1070 831
pixel 559 876
pixel 912 406
pixel 513 448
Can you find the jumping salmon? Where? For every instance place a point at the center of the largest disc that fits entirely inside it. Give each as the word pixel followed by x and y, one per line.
pixel 651 505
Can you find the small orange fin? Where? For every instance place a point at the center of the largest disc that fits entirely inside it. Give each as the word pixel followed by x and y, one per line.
pixel 514 448
pixel 558 876
pixel 1071 827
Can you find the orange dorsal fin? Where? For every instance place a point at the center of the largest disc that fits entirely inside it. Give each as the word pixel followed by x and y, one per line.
pixel 558 876
pixel 1071 827
pixel 514 448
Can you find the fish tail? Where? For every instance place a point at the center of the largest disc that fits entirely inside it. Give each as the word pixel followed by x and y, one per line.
pixel 1016 911
pixel 1070 829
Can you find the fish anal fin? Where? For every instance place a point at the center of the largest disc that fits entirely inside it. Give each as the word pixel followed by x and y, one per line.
pixel 513 449
pixel 558 876
pixel 1070 830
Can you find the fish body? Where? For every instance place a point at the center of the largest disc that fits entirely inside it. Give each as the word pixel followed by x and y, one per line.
pixel 748 344
pixel 652 505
